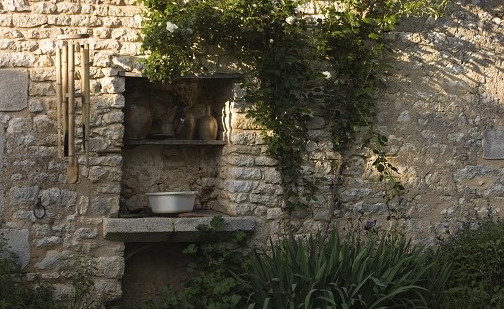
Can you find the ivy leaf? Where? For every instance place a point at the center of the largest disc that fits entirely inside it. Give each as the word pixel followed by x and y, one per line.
pixel 374 36
pixel 380 168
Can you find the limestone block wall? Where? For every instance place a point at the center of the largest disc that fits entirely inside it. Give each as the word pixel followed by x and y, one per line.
pixel 441 109
pixel 442 112
pixel 32 173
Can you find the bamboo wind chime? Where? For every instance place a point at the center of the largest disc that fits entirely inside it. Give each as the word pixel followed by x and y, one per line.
pixel 66 103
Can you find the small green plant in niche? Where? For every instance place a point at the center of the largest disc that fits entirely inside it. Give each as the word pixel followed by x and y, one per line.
pixel 296 66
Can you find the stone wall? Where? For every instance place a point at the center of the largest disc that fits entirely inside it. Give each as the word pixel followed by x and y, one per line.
pixel 441 111
pixel 32 173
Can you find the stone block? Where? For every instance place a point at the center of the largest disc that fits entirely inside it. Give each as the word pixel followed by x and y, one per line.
pixel 17 243
pixel 15 5
pixel 29 20
pixel 110 267
pixel 155 229
pixel 238 186
pixel 13 90
pixel 53 258
pixel 245 173
pixel 493 143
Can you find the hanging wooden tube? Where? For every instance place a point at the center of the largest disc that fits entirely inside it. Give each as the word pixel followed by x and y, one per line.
pixel 86 101
pixel 59 99
pixel 64 90
pixel 66 105
pixel 73 168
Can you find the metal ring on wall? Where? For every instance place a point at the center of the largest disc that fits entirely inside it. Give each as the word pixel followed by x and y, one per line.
pixel 39 210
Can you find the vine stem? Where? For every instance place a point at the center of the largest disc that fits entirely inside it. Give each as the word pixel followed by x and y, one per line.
pixel 336 182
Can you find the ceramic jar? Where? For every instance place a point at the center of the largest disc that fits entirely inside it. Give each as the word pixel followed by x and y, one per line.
pixel 208 127
pixel 137 118
pixel 184 124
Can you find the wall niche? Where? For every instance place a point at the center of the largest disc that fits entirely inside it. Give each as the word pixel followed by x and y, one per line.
pixel 166 155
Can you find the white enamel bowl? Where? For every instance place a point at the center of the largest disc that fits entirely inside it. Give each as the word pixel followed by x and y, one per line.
pixel 171 202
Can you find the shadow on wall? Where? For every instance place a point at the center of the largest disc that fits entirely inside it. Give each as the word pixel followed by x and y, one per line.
pixel 444 90
pixel 150 267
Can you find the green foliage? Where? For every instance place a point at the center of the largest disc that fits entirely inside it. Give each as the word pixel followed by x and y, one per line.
pixel 383 272
pixel 16 294
pixel 477 252
pixel 81 276
pixel 351 39
pixel 295 66
pixel 211 284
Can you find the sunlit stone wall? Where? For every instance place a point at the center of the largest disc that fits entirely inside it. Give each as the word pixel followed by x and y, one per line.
pixel 441 110
pixel 32 173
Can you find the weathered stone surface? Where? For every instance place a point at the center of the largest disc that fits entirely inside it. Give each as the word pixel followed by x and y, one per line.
pixel 101 205
pixel 68 7
pixel 170 229
pixel 17 243
pixel 241 173
pixel 108 289
pixel 493 143
pixel 17 60
pixel 44 8
pixel 56 196
pixel 274 213
pixel 15 5
pixel 110 267
pixel 28 21
pixel 54 258
pixel 49 241
pixel 13 90
pixel 238 186
pixel 440 108
pixel 112 84
pixel 236 160
pixel 24 195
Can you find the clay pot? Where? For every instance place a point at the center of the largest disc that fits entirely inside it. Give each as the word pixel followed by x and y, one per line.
pixel 184 125
pixel 208 127
pixel 137 119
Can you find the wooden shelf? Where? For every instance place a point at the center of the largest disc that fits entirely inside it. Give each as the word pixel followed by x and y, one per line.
pixel 175 142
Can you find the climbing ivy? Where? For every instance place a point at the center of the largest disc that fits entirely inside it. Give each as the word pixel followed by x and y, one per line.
pixel 296 66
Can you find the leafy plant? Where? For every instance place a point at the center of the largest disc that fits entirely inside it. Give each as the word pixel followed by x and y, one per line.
pixel 296 66
pixel 211 284
pixel 477 252
pixel 81 275
pixel 383 272
pixel 15 293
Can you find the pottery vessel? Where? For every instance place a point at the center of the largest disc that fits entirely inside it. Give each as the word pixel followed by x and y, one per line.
pixel 208 127
pixel 137 119
pixel 184 125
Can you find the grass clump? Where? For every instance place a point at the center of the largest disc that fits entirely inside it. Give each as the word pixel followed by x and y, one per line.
pixel 385 271
pixel 477 253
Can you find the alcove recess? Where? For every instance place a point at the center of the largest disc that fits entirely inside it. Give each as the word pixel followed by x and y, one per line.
pixel 160 158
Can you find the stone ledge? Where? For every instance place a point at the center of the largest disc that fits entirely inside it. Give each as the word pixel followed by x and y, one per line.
pixel 157 229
